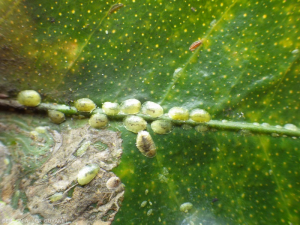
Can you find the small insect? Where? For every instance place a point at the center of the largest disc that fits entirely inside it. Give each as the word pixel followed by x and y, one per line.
pixel 179 113
pixel 135 123
pixel 87 174
pixel 98 120
pixel 131 106
pixel 56 116
pixel 82 149
pixel 290 126
pixel 200 115
pixel 145 144
pixel 195 45
pixel 193 9
pixel 113 182
pixel 41 130
pixel 143 204
pixel 111 108
pixel 201 128
pixel 150 212
pixel 161 126
pixel 186 127
pixel 29 98
pixel 152 109
pixel 85 105
pixel 185 207
pixel 115 8
pixel 56 197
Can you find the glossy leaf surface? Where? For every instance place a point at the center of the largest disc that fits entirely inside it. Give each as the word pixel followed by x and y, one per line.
pixel 246 70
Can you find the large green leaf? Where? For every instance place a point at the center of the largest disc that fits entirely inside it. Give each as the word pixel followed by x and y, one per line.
pixel 246 70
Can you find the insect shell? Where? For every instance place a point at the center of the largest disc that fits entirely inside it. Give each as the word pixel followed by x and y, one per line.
pixel 110 108
pixel 113 182
pixel 56 197
pixel 143 204
pixel 200 115
pixel 152 109
pixel 201 128
pixel 135 123
pixel 195 45
pixel 98 120
pixel 290 126
pixel 82 149
pixel 85 105
pixel 131 106
pixel 145 144
pixel 29 98
pixel 185 207
pixel 178 113
pixel 56 116
pixel 150 212
pixel 161 126
pixel 87 174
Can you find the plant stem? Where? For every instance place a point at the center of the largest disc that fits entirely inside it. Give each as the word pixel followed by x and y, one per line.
pixel 213 124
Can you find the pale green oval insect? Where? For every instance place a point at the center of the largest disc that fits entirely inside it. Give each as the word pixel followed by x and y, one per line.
pixel 152 109
pixel 113 182
pixel 200 115
pixel 111 108
pixel 131 106
pixel 98 120
pixel 56 116
pixel 143 204
pixel 56 197
pixel 145 144
pixel 87 174
pixel 34 135
pixel 290 126
pixel 85 105
pixel 186 127
pixel 29 98
pixel 150 212
pixel 135 123
pixel 82 149
pixel 41 130
pixel 179 113
pixel 161 126
pixel 201 128
pixel 185 207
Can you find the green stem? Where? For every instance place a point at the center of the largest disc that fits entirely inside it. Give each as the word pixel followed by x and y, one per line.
pixel 213 124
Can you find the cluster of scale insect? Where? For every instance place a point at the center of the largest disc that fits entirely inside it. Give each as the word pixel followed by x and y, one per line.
pixel 129 107
pixel 162 123
pixel 132 122
pixel 135 123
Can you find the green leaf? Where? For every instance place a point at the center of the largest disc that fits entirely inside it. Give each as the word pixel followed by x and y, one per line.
pixel 245 71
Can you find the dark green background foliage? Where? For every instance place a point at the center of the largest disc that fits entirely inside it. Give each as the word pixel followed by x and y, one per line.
pixel 247 70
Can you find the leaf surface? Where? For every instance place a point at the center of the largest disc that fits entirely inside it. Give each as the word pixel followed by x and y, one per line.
pixel 246 70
